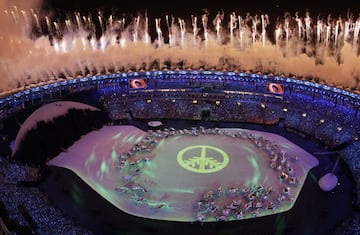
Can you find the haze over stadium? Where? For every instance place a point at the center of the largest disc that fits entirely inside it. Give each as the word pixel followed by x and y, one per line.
pixel 39 44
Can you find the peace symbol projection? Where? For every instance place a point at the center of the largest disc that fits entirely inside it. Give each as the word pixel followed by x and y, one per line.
pixel 203 158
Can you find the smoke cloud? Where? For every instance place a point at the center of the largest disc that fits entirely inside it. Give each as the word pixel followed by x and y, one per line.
pixel 69 51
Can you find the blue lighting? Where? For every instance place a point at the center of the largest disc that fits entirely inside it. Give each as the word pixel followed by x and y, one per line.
pixel 188 80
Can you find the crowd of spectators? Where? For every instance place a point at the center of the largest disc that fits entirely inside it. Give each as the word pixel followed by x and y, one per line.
pixel 23 208
pixel 328 123
pixel 250 108
pixel 326 116
pixel 27 210
pixel 350 226
pixel 333 122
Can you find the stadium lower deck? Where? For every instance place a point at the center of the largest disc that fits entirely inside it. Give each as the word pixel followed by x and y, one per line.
pixel 322 120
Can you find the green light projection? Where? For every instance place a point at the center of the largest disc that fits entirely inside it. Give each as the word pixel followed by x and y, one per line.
pixel 204 163
pixel 280 224
pixel 251 156
pixel 104 169
pixel 256 175
pixel 140 172
pixel 90 159
pixel 117 136
pixel 76 194
pixel 128 139
pixel 114 155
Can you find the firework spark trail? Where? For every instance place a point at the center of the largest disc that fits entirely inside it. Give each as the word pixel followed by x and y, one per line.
pixel 36 48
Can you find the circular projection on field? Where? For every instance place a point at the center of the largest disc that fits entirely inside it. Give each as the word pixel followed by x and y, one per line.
pixel 190 175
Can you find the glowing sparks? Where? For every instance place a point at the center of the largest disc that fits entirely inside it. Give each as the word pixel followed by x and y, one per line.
pixel 328 48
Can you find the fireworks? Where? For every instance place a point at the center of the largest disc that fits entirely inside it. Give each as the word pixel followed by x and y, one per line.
pixel 38 48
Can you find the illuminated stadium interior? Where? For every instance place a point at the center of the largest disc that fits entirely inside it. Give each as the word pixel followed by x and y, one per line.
pixel 205 97
pixel 200 131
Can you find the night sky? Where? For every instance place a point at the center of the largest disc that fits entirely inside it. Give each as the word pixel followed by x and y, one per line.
pixel 160 8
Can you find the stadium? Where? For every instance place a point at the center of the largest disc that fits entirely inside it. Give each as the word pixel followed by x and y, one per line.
pixel 163 144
